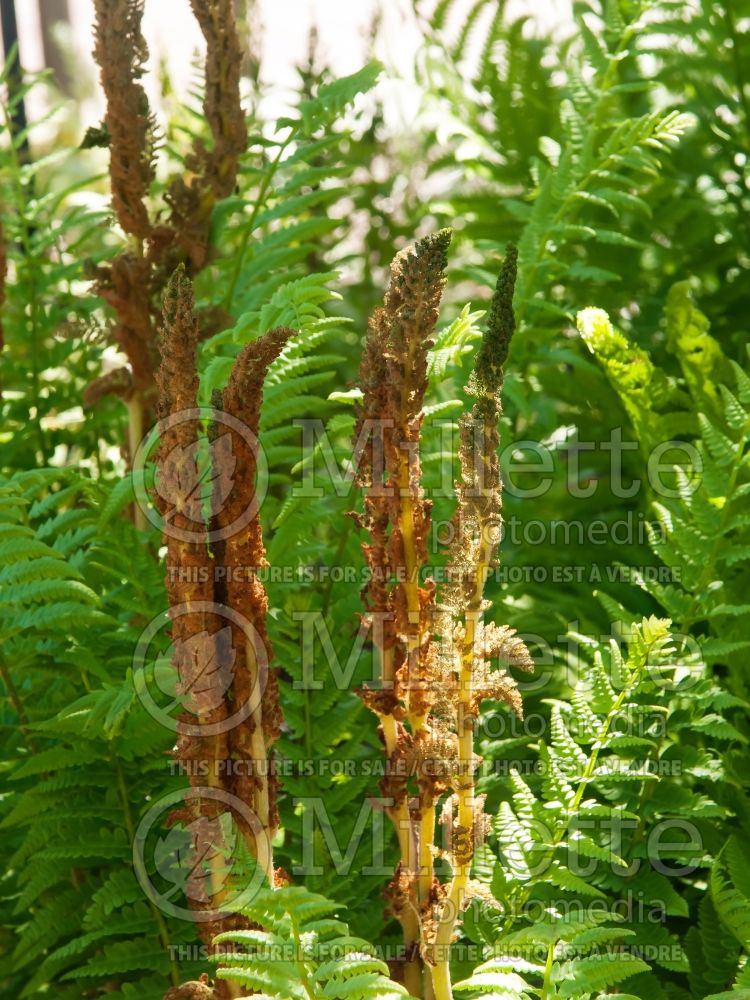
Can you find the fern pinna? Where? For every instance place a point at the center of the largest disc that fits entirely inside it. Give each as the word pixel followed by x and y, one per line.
pixel 699 533
pixel 81 751
pixel 300 949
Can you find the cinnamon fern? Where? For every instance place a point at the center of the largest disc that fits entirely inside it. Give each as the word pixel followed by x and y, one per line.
pixel 390 640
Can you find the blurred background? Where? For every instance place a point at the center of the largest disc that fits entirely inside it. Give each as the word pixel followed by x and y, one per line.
pixel 57 34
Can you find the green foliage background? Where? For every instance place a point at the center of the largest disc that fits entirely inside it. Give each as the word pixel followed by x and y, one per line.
pixel 615 154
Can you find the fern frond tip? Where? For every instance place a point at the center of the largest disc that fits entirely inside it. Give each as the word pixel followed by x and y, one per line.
pixel 501 325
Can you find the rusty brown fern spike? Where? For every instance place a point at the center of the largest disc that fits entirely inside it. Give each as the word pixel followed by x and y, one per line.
pixel 121 53
pixel 212 561
pixel 133 283
pixel 190 592
pixel 434 658
pixel 241 550
pixel 198 989
pixel 400 604
pixel 212 172
pixel 467 643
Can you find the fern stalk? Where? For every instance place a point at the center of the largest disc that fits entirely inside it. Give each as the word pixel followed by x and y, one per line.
pixel 135 436
pixel 394 380
pixel 463 853
pixel 416 719
pixel 222 734
pixel 17 703
pixel 547 987
pixel 134 281
pixel 466 642
pixel 430 691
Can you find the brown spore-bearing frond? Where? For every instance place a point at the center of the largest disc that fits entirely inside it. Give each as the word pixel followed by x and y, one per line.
pixel 121 53
pixel 405 329
pixel 406 325
pixel 399 892
pixel 209 586
pixel 436 760
pixel 381 702
pixel 393 372
pixel 211 173
pixel 369 462
pixel 393 378
pixel 221 106
pixel 177 381
pixel 125 285
pixel 465 642
pixel 244 392
pixel 198 989
pixel 369 446
pixel 408 319
pixel 496 685
pixel 373 420
pixel 196 627
pixel 477 520
pixel 126 282
pixel 400 767
pixel 487 378
pixel 132 283
pixel 242 555
pixel 501 642
pixel 177 378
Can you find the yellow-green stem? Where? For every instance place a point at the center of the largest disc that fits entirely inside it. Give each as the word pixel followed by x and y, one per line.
pixel 263 846
pixel 399 814
pixel 414 644
pixel 426 837
pixel 465 792
pixel 135 433
pixel 547 984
